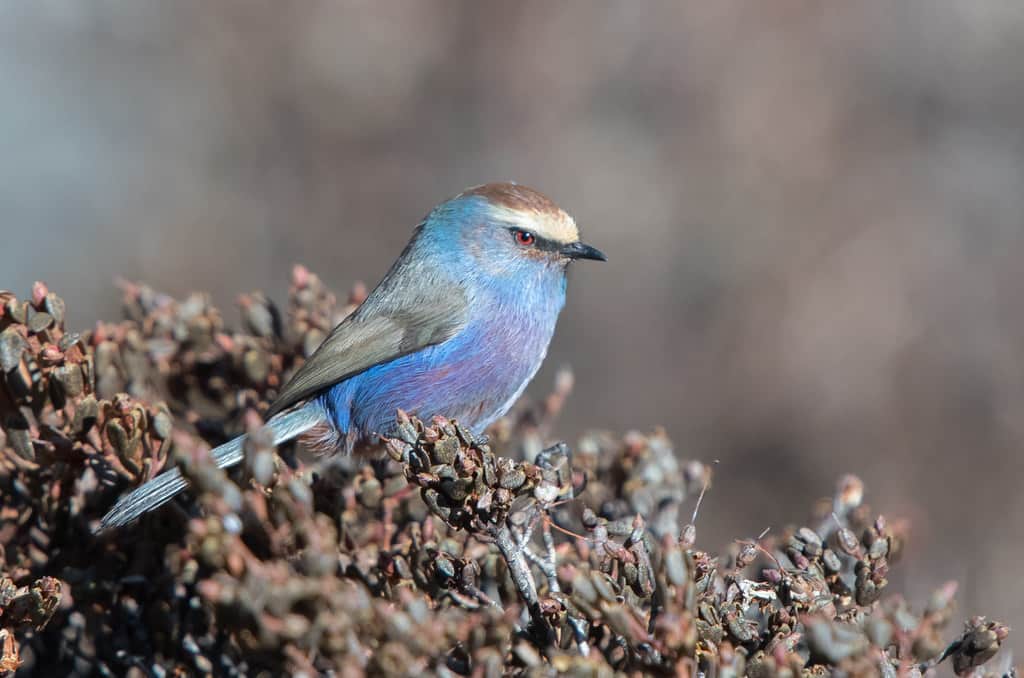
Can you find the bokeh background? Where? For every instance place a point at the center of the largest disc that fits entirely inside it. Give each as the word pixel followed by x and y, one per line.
pixel 813 212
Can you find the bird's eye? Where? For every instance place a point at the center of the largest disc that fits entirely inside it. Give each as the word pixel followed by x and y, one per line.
pixel 524 238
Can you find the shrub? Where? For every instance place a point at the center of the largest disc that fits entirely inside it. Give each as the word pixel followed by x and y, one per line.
pixel 448 554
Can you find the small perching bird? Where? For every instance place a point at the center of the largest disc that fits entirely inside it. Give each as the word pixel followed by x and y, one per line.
pixel 458 327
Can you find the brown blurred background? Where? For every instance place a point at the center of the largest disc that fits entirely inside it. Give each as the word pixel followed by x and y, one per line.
pixel 813 212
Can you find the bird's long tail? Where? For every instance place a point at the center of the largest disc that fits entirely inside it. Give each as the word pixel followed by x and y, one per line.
pixel 162 489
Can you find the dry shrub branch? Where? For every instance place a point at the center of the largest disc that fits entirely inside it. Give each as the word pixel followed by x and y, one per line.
pixel 449 554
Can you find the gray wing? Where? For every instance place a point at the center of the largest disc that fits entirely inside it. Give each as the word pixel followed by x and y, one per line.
pixel 411 309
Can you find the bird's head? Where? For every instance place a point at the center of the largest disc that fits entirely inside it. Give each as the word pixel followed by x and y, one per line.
pixel 507 229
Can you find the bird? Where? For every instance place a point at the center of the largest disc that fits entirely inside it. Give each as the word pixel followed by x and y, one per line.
pixel 457 327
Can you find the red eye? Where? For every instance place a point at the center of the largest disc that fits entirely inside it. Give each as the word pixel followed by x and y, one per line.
pixel 525 238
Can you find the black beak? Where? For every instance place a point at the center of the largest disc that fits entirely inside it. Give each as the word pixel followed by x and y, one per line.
pixel 578 250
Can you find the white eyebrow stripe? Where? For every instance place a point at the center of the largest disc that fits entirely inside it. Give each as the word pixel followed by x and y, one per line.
pixel 558 227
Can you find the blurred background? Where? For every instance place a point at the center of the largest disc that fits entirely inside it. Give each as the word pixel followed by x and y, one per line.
pixel 813 213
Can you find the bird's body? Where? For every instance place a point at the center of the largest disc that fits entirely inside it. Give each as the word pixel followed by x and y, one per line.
pixel 458 327
pixel 474 377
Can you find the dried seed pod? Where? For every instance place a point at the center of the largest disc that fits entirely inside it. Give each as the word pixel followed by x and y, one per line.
pixel 709 625
pixel 259 315
pixel 55 306
pixel 40 322
pixel 256 364
pixel 870 581
pixel 848 542
pixel 39 292
pixel 746 555
pixel 678 567
pixel 86 412
pixel 444 567
pixel 739 627
pixel 605 586
pixel 161 425
pixel 878 631
pixel 811 542
pixel 510 476
pixel 444 450
pixel 397 449
pixel 833 642
pixel 17 311
pixel 980 642
pixel 369 492
pixel 16 430
pixel 12 346
pixel 434 502
pixel 33 606
pixel 831 561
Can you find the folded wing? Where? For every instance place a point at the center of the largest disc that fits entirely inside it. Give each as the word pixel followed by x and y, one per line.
pixel 391 323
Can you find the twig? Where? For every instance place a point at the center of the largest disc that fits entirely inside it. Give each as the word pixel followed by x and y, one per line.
pixel 551 569
pixel 519 570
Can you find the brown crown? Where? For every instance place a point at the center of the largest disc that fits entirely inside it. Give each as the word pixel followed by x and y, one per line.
pixel 515 197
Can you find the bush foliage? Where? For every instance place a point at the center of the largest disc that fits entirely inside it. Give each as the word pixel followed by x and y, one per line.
pixel 448 554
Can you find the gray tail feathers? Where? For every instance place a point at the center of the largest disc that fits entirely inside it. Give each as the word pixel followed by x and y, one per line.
pixel 162 489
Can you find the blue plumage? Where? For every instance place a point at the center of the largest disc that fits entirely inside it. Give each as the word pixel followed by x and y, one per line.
pixel 458 327
pixel 474 377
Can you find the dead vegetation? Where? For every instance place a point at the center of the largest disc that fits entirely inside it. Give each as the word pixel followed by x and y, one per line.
pixel 449 554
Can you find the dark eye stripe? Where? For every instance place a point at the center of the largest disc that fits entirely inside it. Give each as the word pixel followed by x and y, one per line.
pixel 539 243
